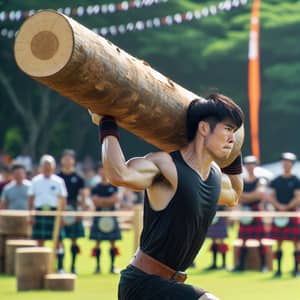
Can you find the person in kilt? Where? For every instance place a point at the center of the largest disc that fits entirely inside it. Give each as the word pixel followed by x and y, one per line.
pixel 217 231
pixel 76 200
pixel 251 227
pixel 285 196
pixel 47 192
pixel 105 228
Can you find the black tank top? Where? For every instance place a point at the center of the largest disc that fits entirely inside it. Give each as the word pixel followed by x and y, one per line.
pixel 250 186
pixel 175 234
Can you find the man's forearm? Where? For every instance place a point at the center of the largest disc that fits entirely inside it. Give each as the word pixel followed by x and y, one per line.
pixel 113 160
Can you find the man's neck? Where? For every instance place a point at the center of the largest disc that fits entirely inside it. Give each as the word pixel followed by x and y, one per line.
pixel 67 170
pixel 197 158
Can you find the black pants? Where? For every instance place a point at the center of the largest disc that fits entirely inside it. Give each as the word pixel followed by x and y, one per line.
pixel 137 285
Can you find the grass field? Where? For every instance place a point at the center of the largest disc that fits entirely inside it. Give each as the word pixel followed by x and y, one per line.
pixel 226 285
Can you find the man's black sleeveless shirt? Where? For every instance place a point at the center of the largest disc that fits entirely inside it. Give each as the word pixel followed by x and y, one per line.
pixel 175 234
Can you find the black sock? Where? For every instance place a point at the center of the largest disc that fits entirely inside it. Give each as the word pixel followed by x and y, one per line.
pixel 74 252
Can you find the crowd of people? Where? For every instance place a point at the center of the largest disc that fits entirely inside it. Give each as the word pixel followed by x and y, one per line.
pixel 63 187
pixel 69 187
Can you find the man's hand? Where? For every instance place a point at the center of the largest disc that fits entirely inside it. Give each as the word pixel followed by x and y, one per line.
pixel 95 118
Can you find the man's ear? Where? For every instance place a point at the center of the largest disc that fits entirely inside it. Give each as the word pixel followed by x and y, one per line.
pixel 203 128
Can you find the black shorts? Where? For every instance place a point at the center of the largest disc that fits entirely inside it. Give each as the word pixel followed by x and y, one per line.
pixel 136 285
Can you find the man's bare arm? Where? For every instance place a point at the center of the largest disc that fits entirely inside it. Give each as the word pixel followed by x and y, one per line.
pixel 231 190
pixel 3 203
pixel 137 173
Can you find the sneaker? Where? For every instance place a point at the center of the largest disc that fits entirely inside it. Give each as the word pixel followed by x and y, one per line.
pixel 114 270
pixel 73 270
pixel 264 269
pixel 97 271
pixel 61 271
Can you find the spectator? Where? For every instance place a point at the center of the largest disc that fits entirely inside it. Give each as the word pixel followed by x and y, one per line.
pixel 105 197
pixel 218 233
pixel 5 177
pixel 14 194
pixel 76 200
pixel 47 193
pixel 250 200
pixel 285 196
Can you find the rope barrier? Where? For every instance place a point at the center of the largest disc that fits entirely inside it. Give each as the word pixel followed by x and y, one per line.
pixel 129 213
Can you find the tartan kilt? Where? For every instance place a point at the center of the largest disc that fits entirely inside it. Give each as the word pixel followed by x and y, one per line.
pixel 42 229
pixel 75 230
pixel 109 232
pixel 291 232
pixel 218 229
pixel 254 230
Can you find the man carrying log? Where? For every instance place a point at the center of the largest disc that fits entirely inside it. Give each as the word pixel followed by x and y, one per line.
pixel 183 189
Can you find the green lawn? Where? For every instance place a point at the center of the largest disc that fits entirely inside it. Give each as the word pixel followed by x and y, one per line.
pixel 226 285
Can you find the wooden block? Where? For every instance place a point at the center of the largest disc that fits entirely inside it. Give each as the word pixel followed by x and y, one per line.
pixel 15 226
pixel 31 267
pixel 10 251
pixel 60 282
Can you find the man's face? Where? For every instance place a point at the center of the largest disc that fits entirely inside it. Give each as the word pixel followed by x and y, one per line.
pixel 220 141
pixel 287 165
pixel 19 174
pixel 47 169
pixel 68 161
pixel 250 167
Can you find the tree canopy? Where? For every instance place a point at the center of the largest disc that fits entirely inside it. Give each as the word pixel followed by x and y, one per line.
pixel 203 55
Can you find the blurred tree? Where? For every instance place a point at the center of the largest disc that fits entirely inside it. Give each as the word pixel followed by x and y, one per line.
pixel 203 55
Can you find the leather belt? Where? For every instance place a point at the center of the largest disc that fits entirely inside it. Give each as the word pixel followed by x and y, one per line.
pixel 152 266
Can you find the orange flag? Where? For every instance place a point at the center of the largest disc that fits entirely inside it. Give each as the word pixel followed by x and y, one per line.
pixel 254 78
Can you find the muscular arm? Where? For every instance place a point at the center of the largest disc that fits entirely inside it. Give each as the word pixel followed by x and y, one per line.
pixel 231 190
pixel 136 174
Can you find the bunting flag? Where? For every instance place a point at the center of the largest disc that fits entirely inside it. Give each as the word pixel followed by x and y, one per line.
pixel 254 87
pixel 81 11
pixel 157 22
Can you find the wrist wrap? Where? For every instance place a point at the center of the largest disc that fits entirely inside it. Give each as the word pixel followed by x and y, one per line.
pixel 108 126
pixel 234 168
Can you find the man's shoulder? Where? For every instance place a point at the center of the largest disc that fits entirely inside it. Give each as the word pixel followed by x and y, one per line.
pixel 57 178
pixel 37 178
pixel 158 156
pixel 9 186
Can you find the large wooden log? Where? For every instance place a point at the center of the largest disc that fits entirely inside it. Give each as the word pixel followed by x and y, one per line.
pixel 88 69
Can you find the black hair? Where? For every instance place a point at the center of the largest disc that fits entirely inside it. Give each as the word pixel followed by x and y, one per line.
pixel 17 166
pixel 216 108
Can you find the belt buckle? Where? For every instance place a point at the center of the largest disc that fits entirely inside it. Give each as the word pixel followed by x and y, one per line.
pixel 179 276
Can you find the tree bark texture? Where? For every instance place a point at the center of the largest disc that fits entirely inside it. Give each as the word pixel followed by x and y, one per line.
pixel 88 69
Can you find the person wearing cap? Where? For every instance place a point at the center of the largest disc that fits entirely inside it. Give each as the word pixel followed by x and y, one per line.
pixel 76 200
pixel 250 200
pixel 285 196
pixel 47 193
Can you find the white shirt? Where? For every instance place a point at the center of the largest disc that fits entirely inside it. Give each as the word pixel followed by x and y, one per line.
pixel 46 190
